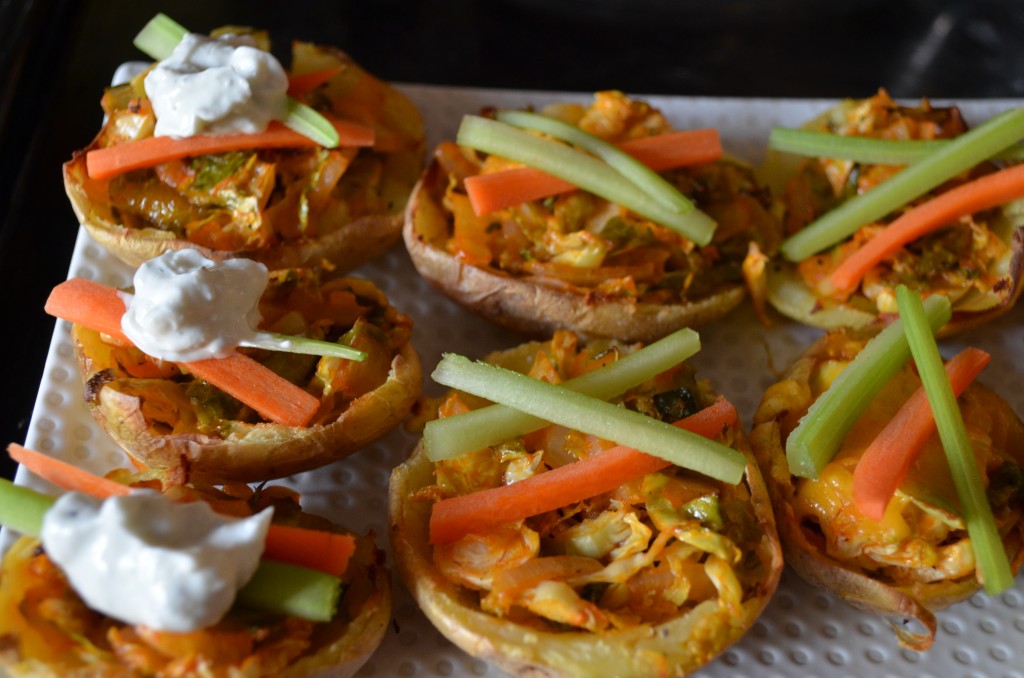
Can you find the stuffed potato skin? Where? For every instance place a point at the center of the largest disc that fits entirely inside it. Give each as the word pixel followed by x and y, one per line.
pixel 164 418
pixel 976 261
pixel 524 643
pixel 49 632
pixel 285 208
pixel 917 561
pixel 578 263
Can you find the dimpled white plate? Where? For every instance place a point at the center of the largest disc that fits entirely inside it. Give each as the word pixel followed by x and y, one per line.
pixel 804 632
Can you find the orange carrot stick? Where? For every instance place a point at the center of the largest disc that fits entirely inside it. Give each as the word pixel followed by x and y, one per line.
pixel 885 462
pixel 455 517
pixel 65 475
pixel 490 192
pixel 316 549
pixel 103 163
pixel 306 82
pixel 99 307
pixel 981 194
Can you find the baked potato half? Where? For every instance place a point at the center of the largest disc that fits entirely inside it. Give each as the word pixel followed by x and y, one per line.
pixel 976 261
pixel 634 582
pixel 285 207
pixel 166 418
pixel 918 558
pixel 48 631
pixel 578 262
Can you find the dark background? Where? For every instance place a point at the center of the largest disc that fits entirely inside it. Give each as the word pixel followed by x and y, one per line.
pixel 57 55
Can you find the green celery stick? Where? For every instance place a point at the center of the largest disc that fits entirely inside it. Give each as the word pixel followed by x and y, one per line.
pixel 591 415
pixel 865 150
pixel 646 179
pixel 272 341
pixel 289 589
pixel 452 436
pixel 22 509
pixel 579 169
pixel 990 555
pixel 957 156
pixel 159 37
pixel 309 123
pixel 820 432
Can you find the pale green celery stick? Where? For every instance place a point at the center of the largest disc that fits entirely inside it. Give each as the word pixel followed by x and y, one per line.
pixel 289 589
pixel 161 35
pixel 278 588
pixel 646 179
pixel 590 415
pixel 22 509
pixel 452 436
pixel 579 169
pixel 866 150
pixel 990 555
pixel 958 156
pixel 820 432
pixel 287 343
pixel 309 123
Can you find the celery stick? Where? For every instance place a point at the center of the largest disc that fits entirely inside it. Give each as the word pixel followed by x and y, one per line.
pixel 279 588
pixel 22 509
pixel 287 343
pixel 289 589
pixel 591 415
pixel 159 37
pixel 958 156
pixel 989 552
pixel 452 436
pixel 309 123
pixel 579 169
pixel 866 150
pixel 646 179
pixel 820 432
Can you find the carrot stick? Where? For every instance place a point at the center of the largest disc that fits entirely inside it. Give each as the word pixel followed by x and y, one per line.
pixel 885 462
pixel 65 475
pixel 316 549
pixel 103 163
pixel 490 192
pixel 455 517
pixel 99 307
pixel 980 194
pixel 300 84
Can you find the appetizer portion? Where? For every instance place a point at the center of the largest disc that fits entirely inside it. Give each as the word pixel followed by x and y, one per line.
pixel 330 366
pixel 887 194
pixel 555 551
pixel 633 255
pixel 893 523
pixel 187 158
pixel 134 574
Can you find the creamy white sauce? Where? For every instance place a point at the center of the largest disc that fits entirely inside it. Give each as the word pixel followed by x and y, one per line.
pixel 188 308
pixel 216 86
pixel 145 559
pixel 126 71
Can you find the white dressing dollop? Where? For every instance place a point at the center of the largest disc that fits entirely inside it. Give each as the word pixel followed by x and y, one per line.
pixel 188 308
pixel 216 86
pixel 145 559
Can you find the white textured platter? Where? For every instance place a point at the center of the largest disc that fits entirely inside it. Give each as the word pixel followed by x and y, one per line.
pixel 803 632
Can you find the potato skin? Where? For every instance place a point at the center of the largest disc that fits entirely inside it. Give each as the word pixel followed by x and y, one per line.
pixel 340 647
pixel 245 452
pixel 782 403
pixel 676 646
pixel 344 245
pixel 531 308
